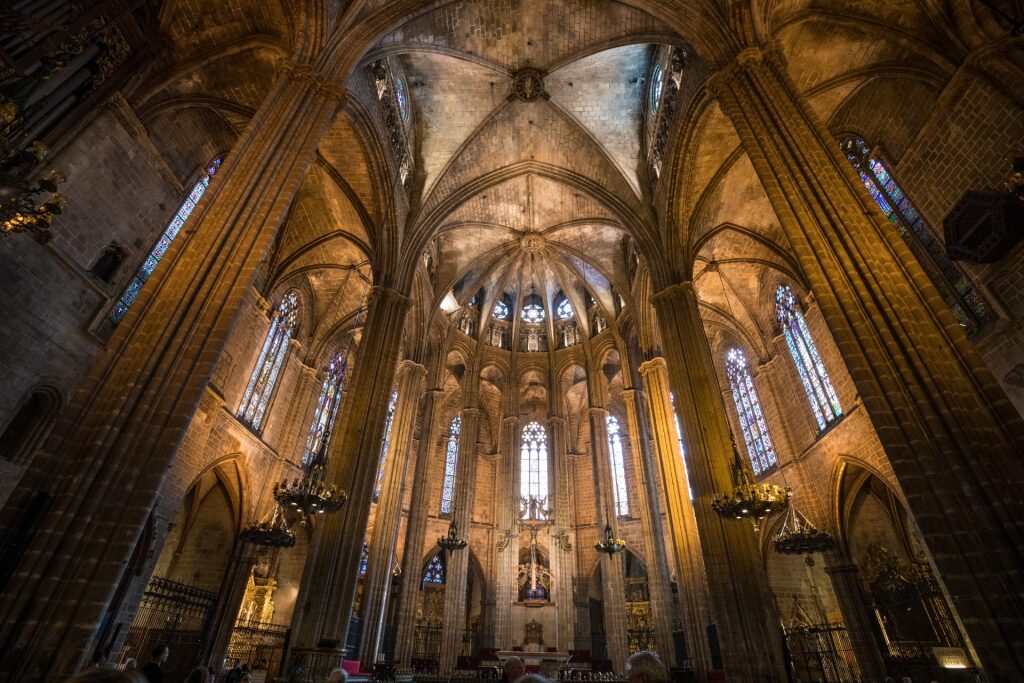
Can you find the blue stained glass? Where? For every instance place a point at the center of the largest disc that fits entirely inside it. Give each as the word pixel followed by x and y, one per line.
pixel 326 412
pixel 564 310
pixel 364 559
pixel 533 463
pixel 451 459
pixel 755 431
pixel 268 365
pixel 813 375
pixel 163 243
pixel 385 442
pixel 501 311
pixel 533 313
pixel 967 304
pixel 618 464
pixel 435 570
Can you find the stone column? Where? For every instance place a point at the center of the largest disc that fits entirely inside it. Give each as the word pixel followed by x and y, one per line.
pixel 416 530
pixel 106 461
pixel 682 521
pixel 954 440
pixel 650 514
pixel 748 626
pixel 613 580
pixel 507 546
pixel 843 575
pixel 458 561
pixel 563 556
pixel 382 545
pixel 323 608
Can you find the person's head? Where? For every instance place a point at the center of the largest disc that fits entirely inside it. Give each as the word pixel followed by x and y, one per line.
pixel 245 678
pixel 161 653
pixel 513 668
pixel 106 676
pixel 338 676
pixel 645 667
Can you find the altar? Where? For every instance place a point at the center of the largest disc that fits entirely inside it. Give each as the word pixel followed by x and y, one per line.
pixel 549 663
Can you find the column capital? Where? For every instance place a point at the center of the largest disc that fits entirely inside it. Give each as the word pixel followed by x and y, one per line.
pixel 555 419
pixel 653 365
pixel 630 393
pixel 412 367
pixel 679 289
pixel 769 53
pixel 469 412
pixel 324 84
pixel 389 295
pixel 597 411
pixel 511 420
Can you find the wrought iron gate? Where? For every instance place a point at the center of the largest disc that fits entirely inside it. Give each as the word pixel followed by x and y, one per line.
pixel 174 614
pixel 259 646
pixel 821 653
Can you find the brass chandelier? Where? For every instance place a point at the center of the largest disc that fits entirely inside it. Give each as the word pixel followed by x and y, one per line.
pixel 609 544
pixel 749 500
pixel 799 537
pixel 452 541
pixel 272 531
pixel 311 495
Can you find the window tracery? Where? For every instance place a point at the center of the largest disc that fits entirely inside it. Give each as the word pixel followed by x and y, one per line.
pixel 748 406
pixel 618 465
pixel 813 375
pixel 451 460
pixel 533 471
pixel 326 412
pixel 968 304
pixel 145 271
pixel 395 111
pixel 533 313
pixel 268 365
pixel 385 442
pixel 564 310
pixel 501 311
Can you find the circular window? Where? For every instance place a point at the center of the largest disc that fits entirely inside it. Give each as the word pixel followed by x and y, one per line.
pixel 402 95
pixel 500 310
pixel 657 83
pixel 533 313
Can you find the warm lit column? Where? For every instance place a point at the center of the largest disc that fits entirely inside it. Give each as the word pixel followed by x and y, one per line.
pixel 689 563
pixel 107 459
pixel 382 545
pixel 562 553
pixel 650 515
pixel 748 627
pixel 416 530
pixel 613 580
pixel 507 546
pixel 324 604
pixel 458 561
pixel 955 442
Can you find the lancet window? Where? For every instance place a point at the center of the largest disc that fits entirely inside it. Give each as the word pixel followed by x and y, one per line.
pixel 618 464
pixel 533 471
pixel 748 406
pixel 679 440
pixel 564 310
pixel 131 291
pixel 268 365
pixel 813 375
pixel 385 442
pixel 451 460
pixel 435 571
pixel 364 559
pixel 327 406
pixel 967 303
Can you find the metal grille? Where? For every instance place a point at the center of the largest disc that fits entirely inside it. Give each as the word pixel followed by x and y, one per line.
pixel 260 646
pixel 821 653
pixel 174 614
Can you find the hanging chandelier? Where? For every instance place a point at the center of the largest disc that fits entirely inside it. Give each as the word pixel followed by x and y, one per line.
pixel 26 206
pixel 311 495
pixel 609 544
pixel 271 531
pixel 800 537
pixel 749 500
pixel 452 542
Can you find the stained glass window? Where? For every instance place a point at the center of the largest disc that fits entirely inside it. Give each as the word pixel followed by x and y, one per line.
pixel 533 313
pixel 501 311
pixel 657 85
pixel 402 95
pixel 679 440
pixel 264 375
pixel 533 469
pixel 812 371
pixel 385 442
pixel 618 464
pixel 748 406
pixel 451 459
pixel 968 305
pixel 134 286
pixel 364 559
pixel 564 310
pixel 435 570
pixel 327 406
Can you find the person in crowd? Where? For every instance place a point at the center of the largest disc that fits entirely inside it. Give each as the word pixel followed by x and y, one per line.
pixel 645 667
pixel 235 673
pixel 339 675
pixel 198 675
pixel 512 670
pixel 154 671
